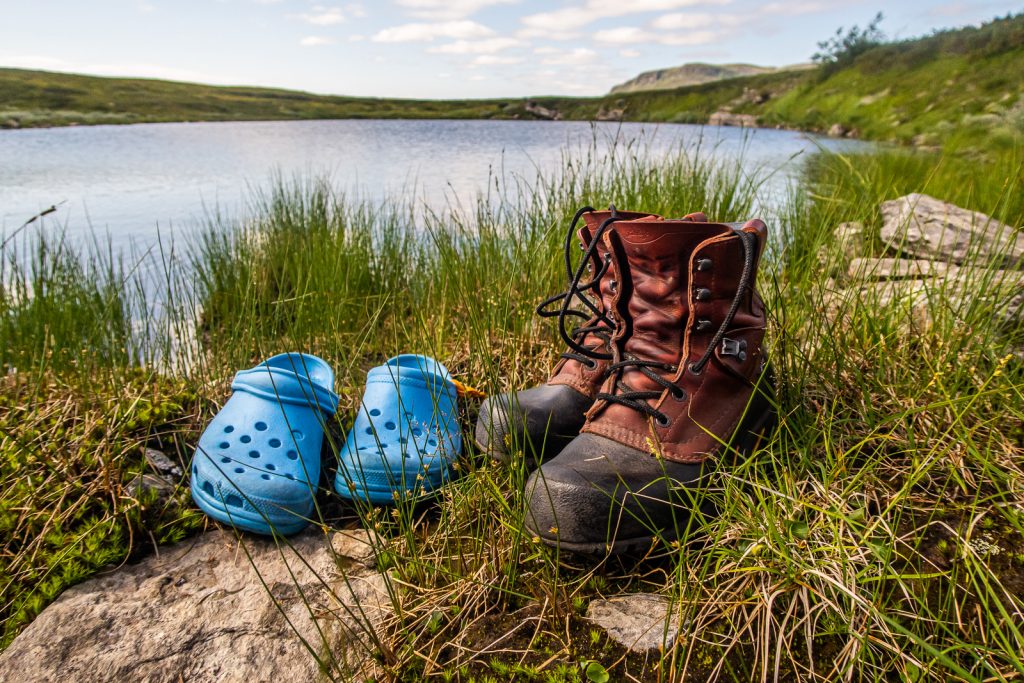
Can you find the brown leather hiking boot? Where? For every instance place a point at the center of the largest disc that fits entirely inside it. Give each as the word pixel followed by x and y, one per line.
pixel 543 419
pixel 686 388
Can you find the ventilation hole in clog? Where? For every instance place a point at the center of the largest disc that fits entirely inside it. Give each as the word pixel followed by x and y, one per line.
pixel 299 436
pixel 260 426
pixel 233 500
pixel 271 466
pixel 208 488
pixel 431 442
pixel 254 454
pixel 195 470
pixel 289 476
pixel 229 429
pixel 274 443
pixel 390 425
pixel 224 444
pixel 225 460
pixel 265 477
pixel 369 430
pixel 292 455
pixel 245 438
pixel 375 412
pixel 403 440
pixel 417 432
pixel 239 470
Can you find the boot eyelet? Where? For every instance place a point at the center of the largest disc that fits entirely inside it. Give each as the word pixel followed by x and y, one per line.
pixel 703 324
pixel 590 363
pixel 678 395
pixel 692 367
pixel 613 286
pixel 703 294
pixel 704 265
pixel 662 420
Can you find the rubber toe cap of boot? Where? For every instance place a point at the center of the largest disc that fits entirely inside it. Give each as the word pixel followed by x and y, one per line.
pixel 600 496
pixel 541 420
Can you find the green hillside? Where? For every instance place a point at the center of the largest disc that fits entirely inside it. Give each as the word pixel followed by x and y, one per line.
pixel 968 82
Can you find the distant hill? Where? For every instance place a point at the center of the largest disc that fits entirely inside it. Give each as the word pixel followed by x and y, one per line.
pixel 688 74
pixel 954 84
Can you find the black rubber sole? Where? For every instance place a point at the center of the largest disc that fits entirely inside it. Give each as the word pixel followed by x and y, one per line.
pixel 756 427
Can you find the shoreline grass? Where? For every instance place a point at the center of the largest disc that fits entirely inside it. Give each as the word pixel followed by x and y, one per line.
pixel 850 546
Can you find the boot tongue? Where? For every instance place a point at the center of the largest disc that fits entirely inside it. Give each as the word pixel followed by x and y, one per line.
pixel 658 255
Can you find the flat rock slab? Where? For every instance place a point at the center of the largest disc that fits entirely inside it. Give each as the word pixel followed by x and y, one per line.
pixel 211 609
pixel 925 227
pixel 894 269
pixel 639 621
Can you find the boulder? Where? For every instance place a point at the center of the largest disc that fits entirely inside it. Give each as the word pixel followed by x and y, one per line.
pixel 925 227
pixel 541 112
pixel 727 118
pixel 638 622
pixel 214 608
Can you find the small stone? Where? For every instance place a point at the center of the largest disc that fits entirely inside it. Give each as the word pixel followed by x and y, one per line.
pixel 638 622
pixel 161 463
pixel 360 546
pixel 837 130
pixel 145 482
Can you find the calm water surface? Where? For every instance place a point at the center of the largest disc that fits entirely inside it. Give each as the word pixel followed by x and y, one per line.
pixel 135 182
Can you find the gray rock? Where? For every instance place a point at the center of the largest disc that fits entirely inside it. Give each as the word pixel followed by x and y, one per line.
pixel 894 269
pixel 837 130
pixel 925 227
pixel 214 608
pixel 542 112
pixel 727 118
pixel 161 463
pixel 639 621
pixel 152 482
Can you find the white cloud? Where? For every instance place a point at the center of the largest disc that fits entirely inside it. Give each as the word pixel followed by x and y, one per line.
pixel 314 41
pixel 579 55
pixel 629 54
pixel 630 35
pixel 624 35
pixel 356 10
pixel 439 10
pixel 486 46
pixel 411 33
pixel 790 9
pixel 680 21
pixel 323 16
pixel 356 38
pixel 495 60
pixel 570 18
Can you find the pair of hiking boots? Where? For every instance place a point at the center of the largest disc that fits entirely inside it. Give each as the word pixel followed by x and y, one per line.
pixel 664 380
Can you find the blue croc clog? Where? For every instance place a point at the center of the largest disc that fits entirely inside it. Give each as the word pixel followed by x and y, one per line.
pixel 258 462
pixel 406 434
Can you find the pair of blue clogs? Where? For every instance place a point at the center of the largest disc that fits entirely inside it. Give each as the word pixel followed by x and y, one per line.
pixel 257 465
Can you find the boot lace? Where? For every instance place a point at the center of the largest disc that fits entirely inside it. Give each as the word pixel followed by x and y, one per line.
pixel 598 323
pixel 623 394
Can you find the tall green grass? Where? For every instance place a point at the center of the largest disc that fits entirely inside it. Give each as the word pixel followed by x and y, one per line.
pixel 849 546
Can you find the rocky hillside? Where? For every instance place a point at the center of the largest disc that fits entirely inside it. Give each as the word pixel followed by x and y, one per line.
pixel 688 74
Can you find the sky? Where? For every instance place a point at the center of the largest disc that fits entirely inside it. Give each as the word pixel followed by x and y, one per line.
pixel 440 48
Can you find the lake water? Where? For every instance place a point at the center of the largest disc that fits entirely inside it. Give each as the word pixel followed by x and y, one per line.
pixel 132 181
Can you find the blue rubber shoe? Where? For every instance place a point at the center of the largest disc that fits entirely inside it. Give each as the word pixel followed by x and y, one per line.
pixel 406 435
pixel 258 462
